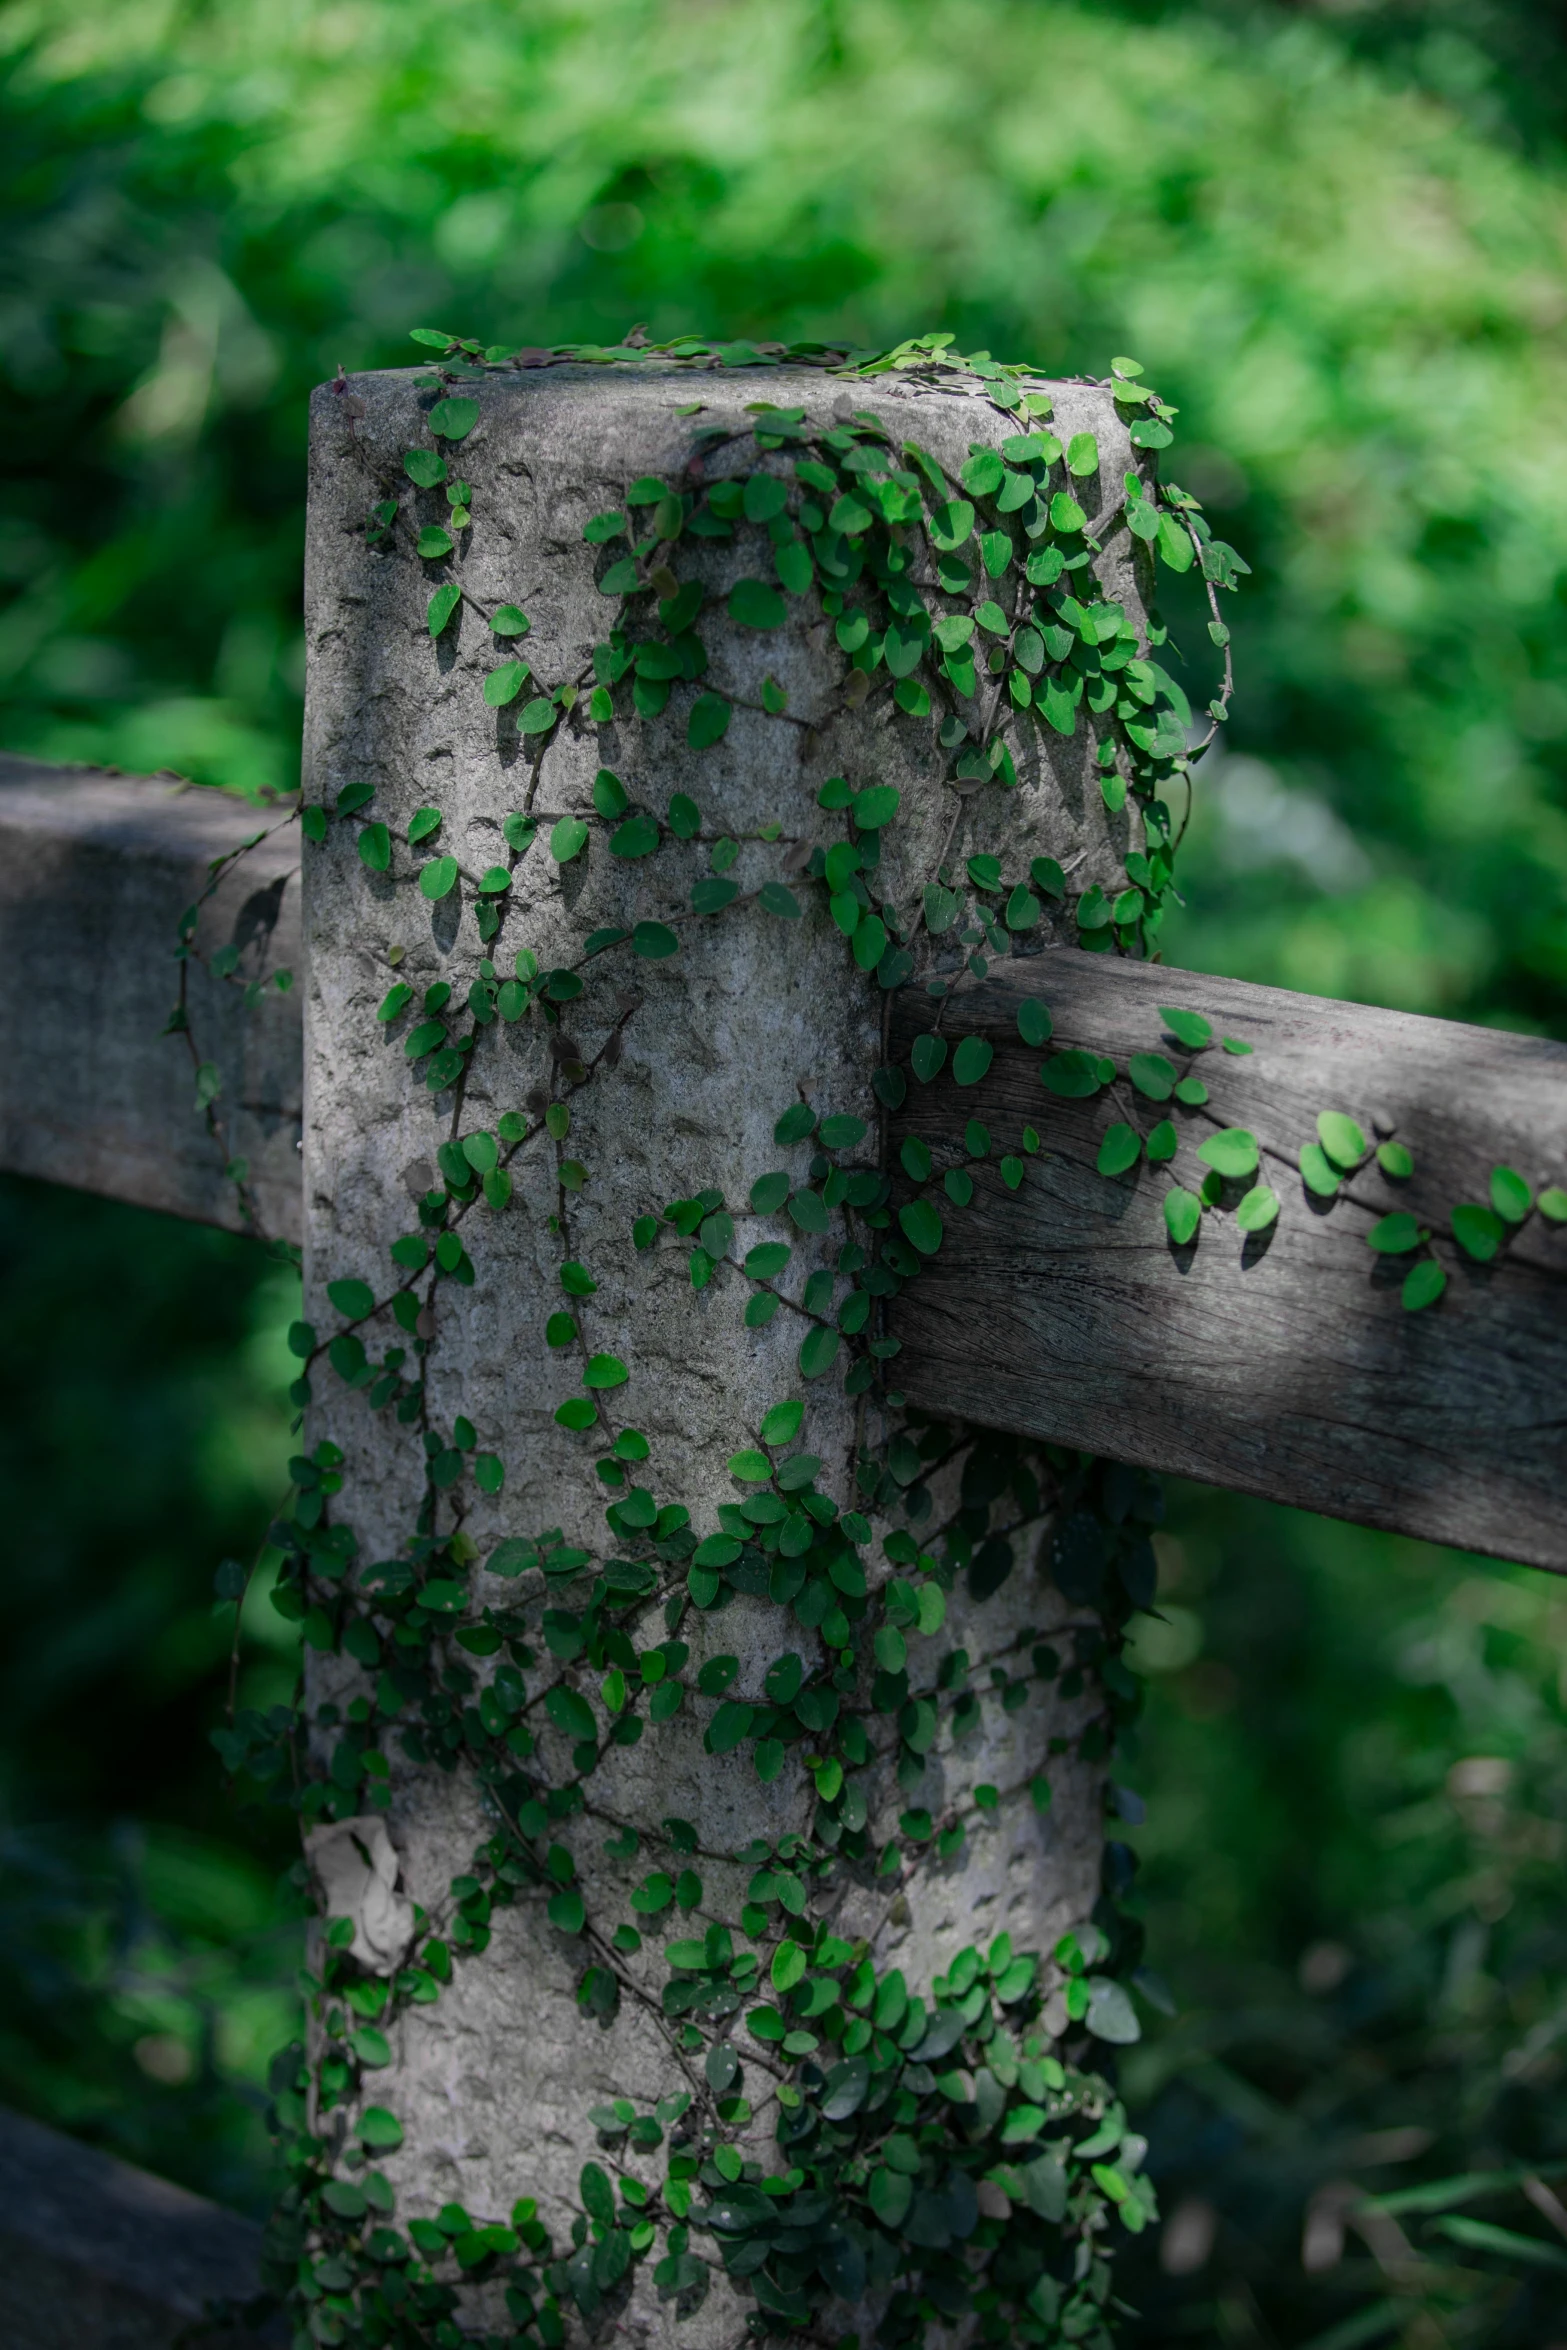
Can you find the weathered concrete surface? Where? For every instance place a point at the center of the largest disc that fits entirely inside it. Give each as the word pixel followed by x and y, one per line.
pixel 95 2255
pixel 493 2085
pixel 95 872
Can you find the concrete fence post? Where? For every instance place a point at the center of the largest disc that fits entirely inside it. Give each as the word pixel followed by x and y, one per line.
pixel 634 1100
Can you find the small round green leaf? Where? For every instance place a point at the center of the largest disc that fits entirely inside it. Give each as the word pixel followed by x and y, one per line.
pixel 353 1299
pixel 375 847
pixel 1423 1285
pixel 808 1211
pixel 566 1912
pixel 971 1060
pixel 876 806
pixel 1392 1236
pixel 1317 1170
pixel 984 473
pixel 510 620
pixel 654 941
pixel 1478 1232
pixel 453 420
pixel 753 604
pixel 709 721
pixel 890 2195
pixel 438 878
pixel 503 685
pixel 1258 1209
pixel 1034 1024
pixel 719 1550
pixel 637 837
pixel 1182 1215
pixel 443 604
pixel 567 838
pixel 1395 1160
pixel 1152 1075
pixel 1510 1195
pixel 1341 1138
pixel 1120 1149
pixel 1072 1076
pixel 1231 1153
pixel 1188 1028
pixel 767 1260
pixel 764 496
pixel 797 1122
pixel 788 1966
pixel 782 1423
pixel 922 1226
pixel 950 524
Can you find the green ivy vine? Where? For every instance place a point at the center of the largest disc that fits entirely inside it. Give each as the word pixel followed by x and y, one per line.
pixel 949 2152
pixel 942 2152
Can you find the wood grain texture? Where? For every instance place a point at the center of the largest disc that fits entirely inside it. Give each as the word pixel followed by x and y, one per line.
pixel 95 871
pixel 1283 1365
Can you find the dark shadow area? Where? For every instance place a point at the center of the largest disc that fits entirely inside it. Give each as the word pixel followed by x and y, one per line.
pixel 144 1964
pixel 1355 1751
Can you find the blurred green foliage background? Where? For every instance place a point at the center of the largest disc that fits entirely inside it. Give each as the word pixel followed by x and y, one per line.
pixel 1334 235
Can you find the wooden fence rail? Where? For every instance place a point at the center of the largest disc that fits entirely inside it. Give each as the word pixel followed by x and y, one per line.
pixel 1281 1365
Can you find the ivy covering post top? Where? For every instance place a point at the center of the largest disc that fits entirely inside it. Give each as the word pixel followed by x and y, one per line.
pixel 708 1777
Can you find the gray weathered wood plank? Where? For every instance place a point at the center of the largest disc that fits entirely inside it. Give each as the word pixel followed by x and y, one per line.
pixel 1283 1366
pixel 97 2256
pixel 95 871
